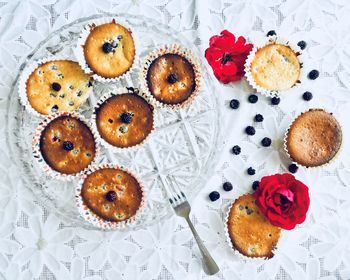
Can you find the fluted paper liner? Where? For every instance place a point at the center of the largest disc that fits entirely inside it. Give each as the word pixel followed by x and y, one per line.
pixel 172 49
pixel 46 168
pixel 273 40
pixel 98 221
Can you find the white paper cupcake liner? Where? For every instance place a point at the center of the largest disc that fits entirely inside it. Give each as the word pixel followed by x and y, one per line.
pixel 272 40
pixel 98 221
pixel 332 161
pixel 79 49
pixel 103 142
pixel 173 49
pixel 22 84
pixel 45 167
pixel 229 241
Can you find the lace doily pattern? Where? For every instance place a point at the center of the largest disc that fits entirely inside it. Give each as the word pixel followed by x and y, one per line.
pixel 36 243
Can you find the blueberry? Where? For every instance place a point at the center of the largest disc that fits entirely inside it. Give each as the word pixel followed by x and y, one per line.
pixel 251 171
pixel 172 78
pixel 234 104
pixel 111 196
pixel 214 196
pixel 107 47
pixel 258 118
pixel 307 96
pixel 302 45
pixel 250 130
pixel 313 74
pixel 271 33
pixel 227 186
pixel 56 86
pixel 293 168
pixel 236 150
pixel 255 185
pixel 266 142
pixel 54 108
pixel 253 98
pixel 68 146
pixel 275 100
pixel 126 117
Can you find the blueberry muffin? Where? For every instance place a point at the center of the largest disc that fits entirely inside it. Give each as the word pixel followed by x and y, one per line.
pixel 171 79
pixel 250 232
pixel 112 194
pixel 109 50
pixel 56 86
pixel 67 145
pixel 124 120
pixel 314 138
pixel 275 67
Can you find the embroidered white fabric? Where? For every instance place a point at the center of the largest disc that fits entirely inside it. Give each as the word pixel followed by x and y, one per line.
pixel 37 243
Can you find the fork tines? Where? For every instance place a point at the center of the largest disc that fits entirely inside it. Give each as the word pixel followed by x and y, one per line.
pixel 174 192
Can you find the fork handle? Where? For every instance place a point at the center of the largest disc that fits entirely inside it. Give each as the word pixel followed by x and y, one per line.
pixel 210 265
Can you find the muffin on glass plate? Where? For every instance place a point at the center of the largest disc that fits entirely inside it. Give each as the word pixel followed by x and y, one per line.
pixel 123 119
pixel 107 49
pixel 109 196
pixel 64 145
pixel 274 67
pixel 170 76
pixel 52 86
pixel 314 138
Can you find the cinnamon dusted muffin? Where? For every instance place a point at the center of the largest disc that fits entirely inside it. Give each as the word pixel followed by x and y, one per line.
pixel 112 194
pixel 67 145
pixel 171 78
pixel 275 67
pixel 124 120
pixel 314 138
pixel 250 232
pixel 109 49
pixel 56 86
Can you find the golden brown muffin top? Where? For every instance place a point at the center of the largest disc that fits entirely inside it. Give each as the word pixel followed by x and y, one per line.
pixel 57 86
pixel 275 67
pixel 250 232
pixel 118 60
pixel 67 145
pixel 314 138
pixel 171 79
pixel 112 194
pixel 113 128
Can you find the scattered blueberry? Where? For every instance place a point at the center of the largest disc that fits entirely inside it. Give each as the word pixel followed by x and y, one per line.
pixel 56 86
pixel 253 98
pixel 275 100
pixel 111 196
pixel 107 47
pixel 293 168
pixel 251 171
pixel 313 74
pixel 250 130
pixel 172 78
pixel 307 96
pixel 227 186
pixel 266 142
pixel 302 45
pixel 255 185
pixel 271 33
pixel 126 117
pixel 214 196
pixel 236 150
pixel 68 146
pixel 234 104
pixel 258 118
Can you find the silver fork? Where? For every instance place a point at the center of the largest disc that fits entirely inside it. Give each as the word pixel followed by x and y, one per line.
pixel 182 208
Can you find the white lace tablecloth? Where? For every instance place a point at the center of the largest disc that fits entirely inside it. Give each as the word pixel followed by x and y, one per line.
pixel 35 243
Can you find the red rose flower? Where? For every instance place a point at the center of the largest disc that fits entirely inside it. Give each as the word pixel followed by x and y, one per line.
pixel 283 200
pixel 227 56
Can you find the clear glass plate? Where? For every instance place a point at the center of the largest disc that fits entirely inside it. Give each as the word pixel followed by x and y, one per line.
pixel 185 146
